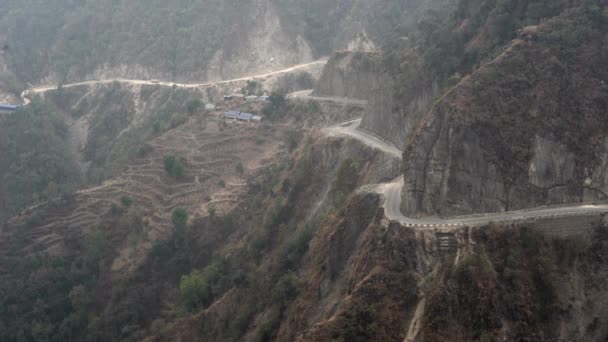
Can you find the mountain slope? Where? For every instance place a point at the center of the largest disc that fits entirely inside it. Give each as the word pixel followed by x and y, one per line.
pixel 182 40
pixel 525 129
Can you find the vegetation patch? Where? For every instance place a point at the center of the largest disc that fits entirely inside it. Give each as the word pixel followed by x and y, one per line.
pixel 173 166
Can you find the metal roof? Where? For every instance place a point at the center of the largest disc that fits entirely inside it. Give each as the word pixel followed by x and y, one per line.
pixel 246 116
pixel 8 107
pixel 240 116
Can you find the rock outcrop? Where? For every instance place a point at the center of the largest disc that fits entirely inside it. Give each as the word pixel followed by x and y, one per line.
pixel 387 115
pixel 363 75
pixel 349 74
pixel 525 129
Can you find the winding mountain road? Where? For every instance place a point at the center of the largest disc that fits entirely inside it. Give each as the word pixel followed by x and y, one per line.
pixel 307 95
pixel 43 89
pixel 351 128
pixel 391 193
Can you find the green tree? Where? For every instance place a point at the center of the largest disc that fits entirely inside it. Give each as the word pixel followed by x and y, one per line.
pixel 79 298
pixel 97 247
pixel 276 107
pixel 252 88
pixel 240 168
pixel 179 217
pixel 195 291
pixel 193 106
pixel 285 289
pixel 173 167
pixel 126 201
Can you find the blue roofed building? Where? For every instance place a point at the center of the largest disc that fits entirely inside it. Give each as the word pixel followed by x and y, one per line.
pixel 232 115
pixel 9 108
pixel 248 117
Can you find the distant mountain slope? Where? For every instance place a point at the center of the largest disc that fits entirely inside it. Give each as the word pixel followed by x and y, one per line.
pixel 63 40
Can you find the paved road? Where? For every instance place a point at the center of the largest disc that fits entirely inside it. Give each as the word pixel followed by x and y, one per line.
pixel 43 89
pixel 306 95
pixel 391 192
pixel 392 209
pixel 351 128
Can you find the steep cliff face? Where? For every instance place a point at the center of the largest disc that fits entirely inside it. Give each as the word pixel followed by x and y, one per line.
pixel 387 116
pixel 364 75
pixel 525 129
pixel 349 74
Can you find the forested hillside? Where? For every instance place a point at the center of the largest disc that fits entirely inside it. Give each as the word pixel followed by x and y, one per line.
pixel 184 39
pixel 35 159
pixel 74 37
pixel 448 44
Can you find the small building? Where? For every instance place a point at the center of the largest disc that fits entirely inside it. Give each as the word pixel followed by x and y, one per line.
pixel 253 98
pixel 9 108
pixel 210 106
pixel 246 117
pixel 232 115
pixel 234 97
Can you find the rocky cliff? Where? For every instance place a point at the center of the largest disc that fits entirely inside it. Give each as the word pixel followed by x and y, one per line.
pixel 349 74
pixel 525 129
pixel 364 75
pixel 386 115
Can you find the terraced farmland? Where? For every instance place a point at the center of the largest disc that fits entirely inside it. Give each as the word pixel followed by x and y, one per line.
pixel 217 158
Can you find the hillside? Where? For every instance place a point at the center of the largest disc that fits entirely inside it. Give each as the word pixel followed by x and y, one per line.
pixel 497 105
pixel 526 128
pixel 183 40
pixel 236 185
pixel 35 158
pixel 131 211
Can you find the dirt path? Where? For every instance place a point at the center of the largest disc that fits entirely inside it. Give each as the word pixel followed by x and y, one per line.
pixel 43 89
pixel 305 95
